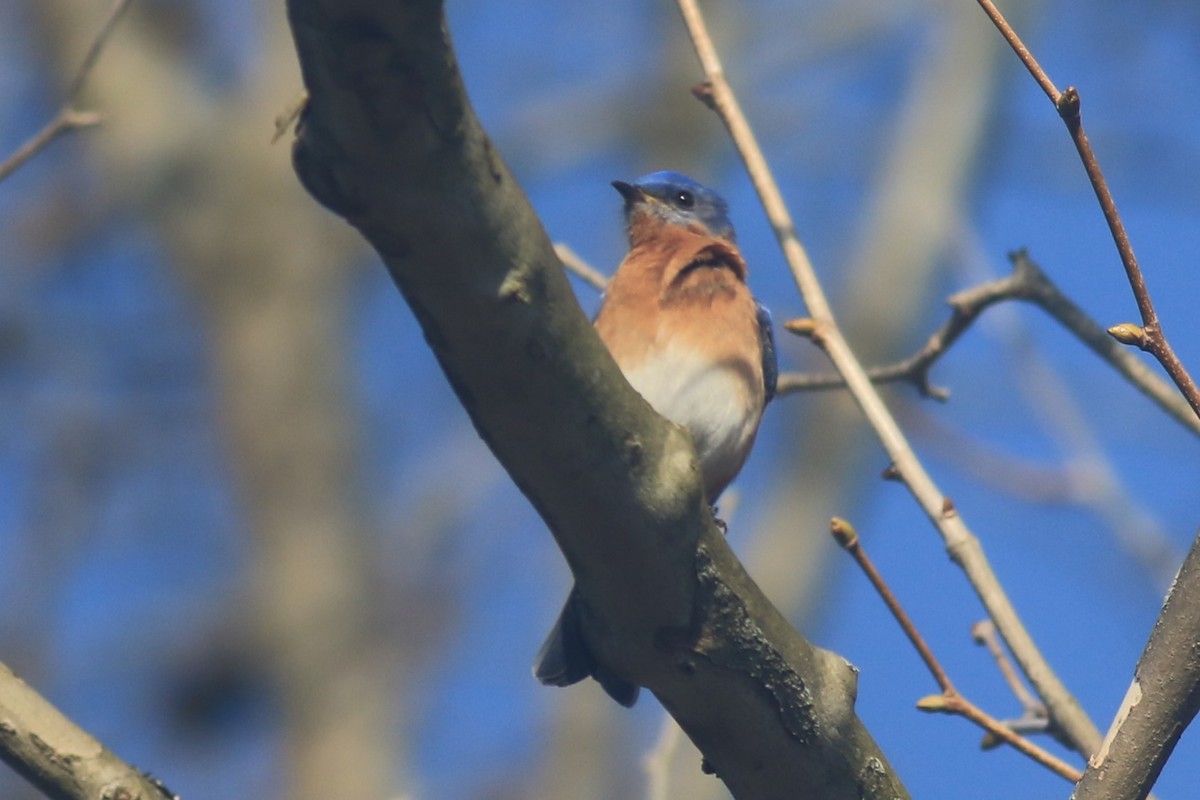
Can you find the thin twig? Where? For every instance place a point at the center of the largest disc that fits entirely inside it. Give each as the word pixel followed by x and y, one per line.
pixel 847 538
pixel 963 546
pixel 984 633
pixel 1033 717
pixel 950 701
pixel 1031 64
pixel 66 120
pixel 1087 473
pixel 571 260
pixel 957 704
pixel 965 308
pixel 1149 336
pixel 68 117
pixel 97 46
pixel 1029 283
pixel 1043 293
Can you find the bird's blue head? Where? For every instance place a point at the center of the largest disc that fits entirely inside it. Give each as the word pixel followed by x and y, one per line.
pixel 676 199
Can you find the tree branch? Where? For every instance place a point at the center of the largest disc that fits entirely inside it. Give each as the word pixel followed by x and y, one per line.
pixel 1160 703
pixel 389 141
pixel 63 761
pixel 1027 282
pixel 950 701
pixel 963 546
pixel 68 117
pixel 1033 717
pixel 574 264
pixel 1149 336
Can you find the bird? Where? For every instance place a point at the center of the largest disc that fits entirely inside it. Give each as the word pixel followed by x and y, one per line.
pixel 681 323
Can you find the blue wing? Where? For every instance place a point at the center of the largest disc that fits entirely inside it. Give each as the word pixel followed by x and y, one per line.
pixel 766 343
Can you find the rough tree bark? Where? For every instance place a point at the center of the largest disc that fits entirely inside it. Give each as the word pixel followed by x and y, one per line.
pixel 59 758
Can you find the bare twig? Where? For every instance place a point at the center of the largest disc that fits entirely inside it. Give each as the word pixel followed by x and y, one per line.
pixel 949 701
pixel 966 306
pixel 957 704
pixel 1033 717
pixel 1027 282
pixel 1149 336
pixel 97 46
pixel 984 633
pixel 571 260
pixel 963 546
pixel 847 538
pixel 1087 476
pixel 68 117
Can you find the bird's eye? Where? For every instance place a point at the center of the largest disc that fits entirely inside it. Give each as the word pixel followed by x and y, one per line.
pixel 685 199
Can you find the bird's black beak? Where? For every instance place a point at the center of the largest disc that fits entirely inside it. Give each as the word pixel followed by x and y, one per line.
pixel 631 193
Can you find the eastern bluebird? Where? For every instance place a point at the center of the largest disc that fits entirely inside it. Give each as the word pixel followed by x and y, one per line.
pixel 683 327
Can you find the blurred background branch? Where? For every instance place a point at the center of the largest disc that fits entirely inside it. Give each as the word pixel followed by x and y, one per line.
pixel 68 118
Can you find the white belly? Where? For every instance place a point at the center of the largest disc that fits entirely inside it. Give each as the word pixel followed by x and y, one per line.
pixel 715 402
